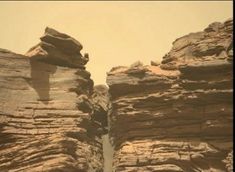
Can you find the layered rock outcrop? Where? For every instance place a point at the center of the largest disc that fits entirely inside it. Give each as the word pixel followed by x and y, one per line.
pixel 170 116
pixel 48 109
pixel 177 115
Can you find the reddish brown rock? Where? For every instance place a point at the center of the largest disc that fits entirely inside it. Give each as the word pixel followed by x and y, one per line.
pixel 212 43
pixel 46 107
pixel 58 49
pixel 176 116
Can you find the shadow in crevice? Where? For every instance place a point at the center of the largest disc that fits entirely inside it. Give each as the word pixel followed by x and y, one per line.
pixel 40 79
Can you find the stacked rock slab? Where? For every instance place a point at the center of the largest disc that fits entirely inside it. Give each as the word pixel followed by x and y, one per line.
pixel 46 109
pixel 176 116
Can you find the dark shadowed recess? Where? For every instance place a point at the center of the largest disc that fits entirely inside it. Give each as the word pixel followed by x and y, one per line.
pixel 40 74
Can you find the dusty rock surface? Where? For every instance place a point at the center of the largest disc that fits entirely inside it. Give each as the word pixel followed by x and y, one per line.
pixel 58 49
pixel 176 116
pixel 47 109
pixel 172 116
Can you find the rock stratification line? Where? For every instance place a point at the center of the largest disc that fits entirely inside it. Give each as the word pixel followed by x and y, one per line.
pixel 48 112
pixel 171 116
pixel 177 115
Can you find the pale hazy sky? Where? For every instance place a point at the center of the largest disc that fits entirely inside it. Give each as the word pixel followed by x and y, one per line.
pixel 113 33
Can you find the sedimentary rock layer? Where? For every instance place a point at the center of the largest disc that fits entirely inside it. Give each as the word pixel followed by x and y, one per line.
pixel 47 112
pixel 177 115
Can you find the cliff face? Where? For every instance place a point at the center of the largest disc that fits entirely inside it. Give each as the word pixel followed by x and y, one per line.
pixel 48 109
pixel 173 116
pixel 176 116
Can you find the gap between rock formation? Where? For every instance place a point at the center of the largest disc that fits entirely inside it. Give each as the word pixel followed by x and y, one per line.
pixel 171 116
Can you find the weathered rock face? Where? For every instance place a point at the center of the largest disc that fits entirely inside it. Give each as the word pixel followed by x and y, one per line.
pixel 176 116
pixel 171 116
pixel 47 109
pixel 58 49
pixel 215 42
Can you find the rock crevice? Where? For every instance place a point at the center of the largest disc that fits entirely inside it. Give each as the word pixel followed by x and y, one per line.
pixel 174 115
